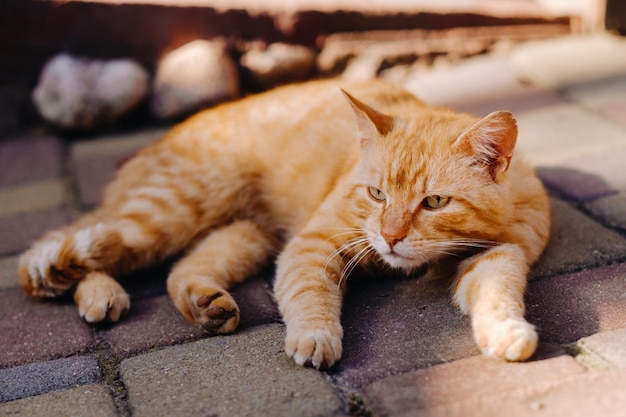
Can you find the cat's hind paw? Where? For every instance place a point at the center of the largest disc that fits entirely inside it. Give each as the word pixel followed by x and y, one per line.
pixel 215 312
pixel 513 339
pixel 320 348
pixel 99 297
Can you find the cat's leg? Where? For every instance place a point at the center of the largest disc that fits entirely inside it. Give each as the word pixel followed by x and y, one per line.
pixel 113 244
pixel 99 297
pixel 199 282
pixel 490 288
pixel 61 258
pixel 309 294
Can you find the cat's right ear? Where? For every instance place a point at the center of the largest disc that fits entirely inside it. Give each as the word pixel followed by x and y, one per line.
pixel 370 123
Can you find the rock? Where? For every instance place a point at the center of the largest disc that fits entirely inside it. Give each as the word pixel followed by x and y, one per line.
pixel 280 63
pixel 81 93
pixel 195 75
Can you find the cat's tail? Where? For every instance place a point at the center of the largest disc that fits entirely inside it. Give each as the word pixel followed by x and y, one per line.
pixel 59 260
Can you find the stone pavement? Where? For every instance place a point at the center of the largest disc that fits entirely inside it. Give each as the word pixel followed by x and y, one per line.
pixel 408 352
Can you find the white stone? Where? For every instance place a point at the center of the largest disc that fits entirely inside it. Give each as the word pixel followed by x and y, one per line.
pixel 81 93
pixel 195 75
pixel 280 63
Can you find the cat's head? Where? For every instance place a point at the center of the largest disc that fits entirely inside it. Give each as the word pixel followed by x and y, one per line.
pixel 431 184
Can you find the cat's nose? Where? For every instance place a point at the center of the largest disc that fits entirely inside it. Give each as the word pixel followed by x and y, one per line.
pixel 393 237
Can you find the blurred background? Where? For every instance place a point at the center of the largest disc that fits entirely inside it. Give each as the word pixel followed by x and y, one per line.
pixel 247 46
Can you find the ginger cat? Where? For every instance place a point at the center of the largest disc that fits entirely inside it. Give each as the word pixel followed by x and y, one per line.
pixel 291 172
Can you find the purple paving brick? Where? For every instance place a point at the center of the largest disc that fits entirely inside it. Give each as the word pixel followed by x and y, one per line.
pixel 151 323
pixel 575 185
pixel 568 307
pixel 475 377
pixel 26 159
pixel 19 231
pixel 395 326
pixel 156 322
pixel 94 173
pixel 42 377
pixel 35 330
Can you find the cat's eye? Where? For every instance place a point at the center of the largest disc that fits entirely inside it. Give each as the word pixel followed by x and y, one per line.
pixel 376 194
pixel 435 201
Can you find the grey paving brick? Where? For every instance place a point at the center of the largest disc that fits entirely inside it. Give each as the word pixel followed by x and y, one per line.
pixel 577 242
pixel 8 272
pixel 41 195
pixel 35 330
pixel 415 392
pixel 608 346
pixel 245 374
pixel 568 307
pixel 610 210
pixel 19 231
pixel 41 377
pixel 395 326
pixel 155 321
pixel 89 400
pixel 26 159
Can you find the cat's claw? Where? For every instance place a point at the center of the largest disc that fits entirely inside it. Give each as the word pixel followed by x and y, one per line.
pixel 216 312
pixel 320 348
pixel 513 339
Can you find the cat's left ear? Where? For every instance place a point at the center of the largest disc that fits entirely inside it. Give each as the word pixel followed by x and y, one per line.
pixel 492 141
pixel 370 123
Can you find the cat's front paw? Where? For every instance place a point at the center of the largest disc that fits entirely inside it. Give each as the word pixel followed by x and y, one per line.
pixel 513 339
pixel 319 347
pixel 100 297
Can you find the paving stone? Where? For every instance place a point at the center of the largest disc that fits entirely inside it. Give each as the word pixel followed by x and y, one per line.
pixel 28 159
pixel 574 185
pixel 152 322
pixel 611 210
pixel 395 326
pixel 576 242
pixel 553 135
pixel 568 307
pixel 36 330
pixel 88 400
pixel 41 377
pixel 568 60
pixel 606 95
pixel 588 394
pixel 40 195
pixel 8 272
pixel 245 374
pixel 155 321
pixel 19 231
pixel 95 162
pixel 605 168
pixel 475 377
pixel 607 345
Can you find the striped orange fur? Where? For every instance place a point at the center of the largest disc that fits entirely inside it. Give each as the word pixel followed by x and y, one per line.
pixel 325 183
